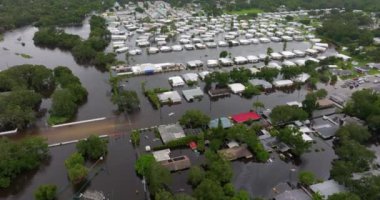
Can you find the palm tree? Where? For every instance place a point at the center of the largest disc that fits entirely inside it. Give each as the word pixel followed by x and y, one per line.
pixel 258 104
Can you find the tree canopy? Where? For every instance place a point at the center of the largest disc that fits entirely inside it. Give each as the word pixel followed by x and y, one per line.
pixel 16 14
pixel 46 192
pixel 93 147
pixel 194 119
pixel 19 157
pixel 285 114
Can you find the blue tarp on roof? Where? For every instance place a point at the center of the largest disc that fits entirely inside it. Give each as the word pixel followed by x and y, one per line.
pixel 226 123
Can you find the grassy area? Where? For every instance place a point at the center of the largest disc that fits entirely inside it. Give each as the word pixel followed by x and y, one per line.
pixel 24 55
pixel 53 120
pixel 245 11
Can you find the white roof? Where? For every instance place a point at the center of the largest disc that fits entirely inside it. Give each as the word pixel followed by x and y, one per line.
pixel 306 138
pixel 203 74
pixel 176 80
pixel 169 96
pixel 302 78
pixel 300 62
pixel 190 77
pixel 288 63
pixel 161 155
pixel 240 59
pixel 236 87
pixel 281 83
pixel 294 103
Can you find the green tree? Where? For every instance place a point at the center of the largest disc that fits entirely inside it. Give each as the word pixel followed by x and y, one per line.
pixel 291 72
pixel 143 164
pixel 268 73
pixel 306 178
pixel 20 157
pixel 63 106
pixel 183 196
pixel 344 196
pixel 229 189
pixel 241 195
pixel 76 170
pixel 221 78
pixel 353 132
pixel 194 119
pixel 163 195
pixel 218 169
pixel 135 138
pixel 294 139
pixel 310 103
pixel 358 155
pixel 157 177
pixel 223 54
pixel 93 147
pixel 126 101
pixel 46 192
pixel 285 114
pixel 251 90
pixel 196 175
pixel 210 190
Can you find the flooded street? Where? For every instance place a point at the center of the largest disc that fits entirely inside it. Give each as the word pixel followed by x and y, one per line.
pixel 117 179
pixel 116 176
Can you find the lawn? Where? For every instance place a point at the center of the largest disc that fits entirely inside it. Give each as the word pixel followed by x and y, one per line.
pixel 245 11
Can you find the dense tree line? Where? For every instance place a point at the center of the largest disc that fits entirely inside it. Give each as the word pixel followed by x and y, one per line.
pixel 17 13
pixel 19 157
pixel 88 52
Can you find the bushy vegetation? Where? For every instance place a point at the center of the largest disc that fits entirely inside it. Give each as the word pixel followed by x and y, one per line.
pixel 20 157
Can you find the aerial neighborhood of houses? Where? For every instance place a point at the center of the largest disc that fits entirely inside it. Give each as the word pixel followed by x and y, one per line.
pixel 266 105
